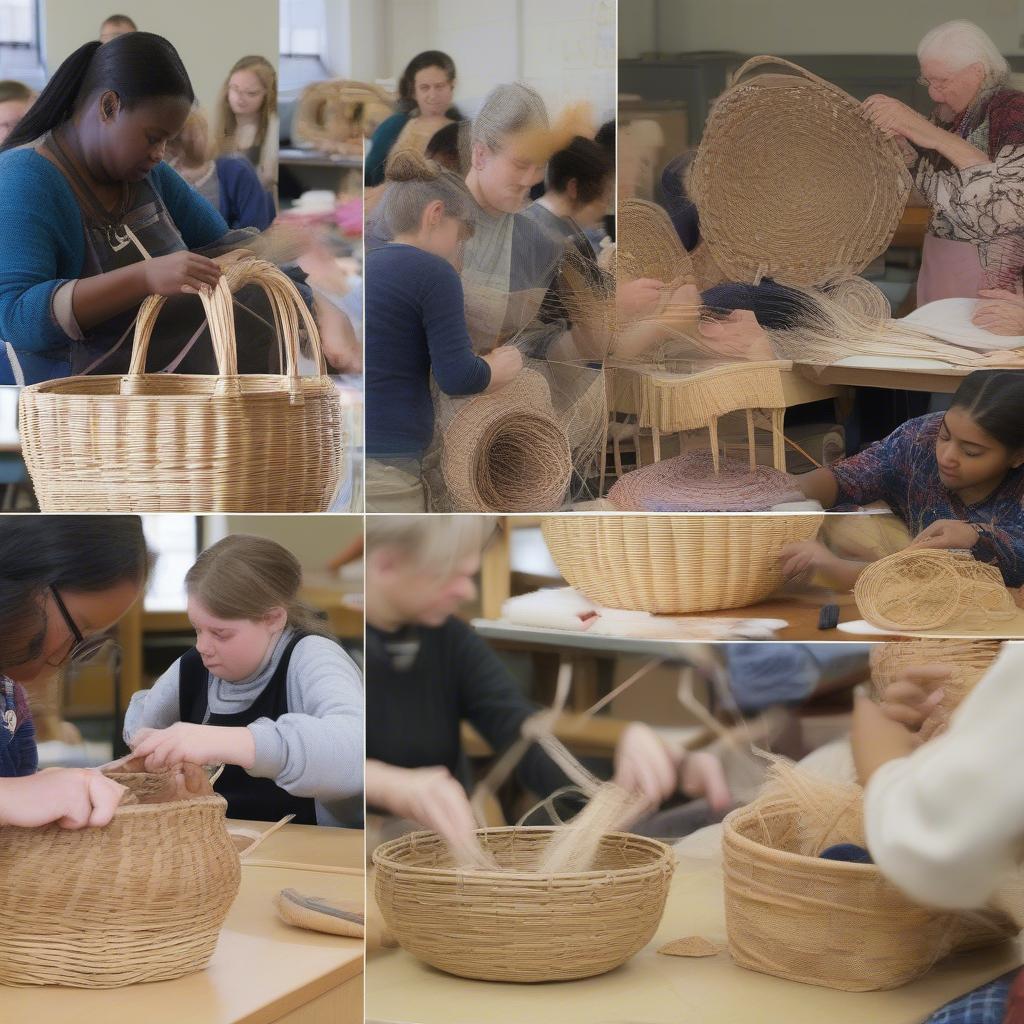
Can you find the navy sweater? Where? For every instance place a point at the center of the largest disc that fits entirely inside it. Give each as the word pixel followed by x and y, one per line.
pixel 415 324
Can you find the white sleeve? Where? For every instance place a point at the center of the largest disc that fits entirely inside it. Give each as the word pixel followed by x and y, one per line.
pixel 945 823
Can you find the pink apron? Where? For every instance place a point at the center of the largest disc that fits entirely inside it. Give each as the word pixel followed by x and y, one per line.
pixel 949 270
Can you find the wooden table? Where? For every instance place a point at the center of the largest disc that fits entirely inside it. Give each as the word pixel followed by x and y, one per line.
pixel 945 380
pixel 655 989
pixel 262 972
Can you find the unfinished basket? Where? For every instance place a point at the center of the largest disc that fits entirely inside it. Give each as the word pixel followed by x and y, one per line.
pixel 516 924
pixel 672 402
pixel 860 297
pixel 968 661
pixel 507 451
pixel 647 244
pixel 791 180
pixel 919 589
pixel 140 900
pixel 164 442
pixel 689 483
pixel 674 564
pixel 336 115
pixel 830 923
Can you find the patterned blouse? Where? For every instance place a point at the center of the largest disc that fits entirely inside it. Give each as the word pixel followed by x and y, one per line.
pixel 18 754
pixel 982 204
pixel 902 471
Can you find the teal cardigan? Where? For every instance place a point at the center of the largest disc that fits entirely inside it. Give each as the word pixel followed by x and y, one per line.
pixel 42 245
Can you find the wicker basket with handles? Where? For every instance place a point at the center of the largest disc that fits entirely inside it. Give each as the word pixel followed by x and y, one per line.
pixel 162 442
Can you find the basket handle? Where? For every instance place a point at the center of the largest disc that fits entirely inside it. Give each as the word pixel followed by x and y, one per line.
pixel 780 62
pixel 286 305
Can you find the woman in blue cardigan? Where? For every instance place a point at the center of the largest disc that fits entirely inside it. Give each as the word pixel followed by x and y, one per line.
pixel 92 221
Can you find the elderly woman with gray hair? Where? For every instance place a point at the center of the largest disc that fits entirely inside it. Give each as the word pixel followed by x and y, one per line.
pixel 968 162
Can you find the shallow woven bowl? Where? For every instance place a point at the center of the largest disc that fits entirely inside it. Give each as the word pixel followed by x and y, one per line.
pixel 674 564
pixel 520 925
pixel 141 900
pixel 792 181
pixel 830 923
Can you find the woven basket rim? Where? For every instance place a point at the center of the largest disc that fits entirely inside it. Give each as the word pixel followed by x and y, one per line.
pixel 728 370
pixel 382 858
pixel 54 387
pixel 731 835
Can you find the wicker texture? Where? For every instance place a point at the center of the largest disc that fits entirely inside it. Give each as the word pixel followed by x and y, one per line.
pixel 689 483
pixel 825 922
pixel 141 900
pixel 507 451
pixel 920 589
pixel 674 564
pixel 335 115
pixel 517 924
pixel 967 661
pixel 791 181
pixel 861 298
pixel 158 442
pixel 647 244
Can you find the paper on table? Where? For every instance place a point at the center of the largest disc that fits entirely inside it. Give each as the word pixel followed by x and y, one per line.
pixel 950 320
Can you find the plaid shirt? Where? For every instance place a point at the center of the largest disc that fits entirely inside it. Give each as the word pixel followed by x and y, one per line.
pixel 901 470
pixel 985 1005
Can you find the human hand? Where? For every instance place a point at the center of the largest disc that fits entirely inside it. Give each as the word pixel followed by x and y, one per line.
pixel 179 272
pixel 804 557
pixel 738 336
pixel 1001 312
pixel 182 742
pixel 638 298
pixel 72 797
pixel 897 119
pixel 644 765
pixel 914 696
pixel 505 363
pixel 947 533
pixel 703 775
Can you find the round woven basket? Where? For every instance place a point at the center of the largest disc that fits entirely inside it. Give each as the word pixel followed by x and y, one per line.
pixel 792 182
pixel 688 483
pixel 647 245
pixel 860 297
pixel 516 924
pixel 830 923
pixel 674 564
pixel 141 900
pixel 920 589
pixel 336 115
pixel 162 442
pixel 507 451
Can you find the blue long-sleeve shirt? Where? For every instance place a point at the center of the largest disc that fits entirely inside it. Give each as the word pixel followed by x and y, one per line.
pixel 42 245
pixel 415 325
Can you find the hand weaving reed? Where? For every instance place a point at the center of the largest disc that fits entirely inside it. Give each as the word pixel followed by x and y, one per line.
pixel 920 589
pixel 140 900
pixel 166 442
pixel 527 908
pixel 836 924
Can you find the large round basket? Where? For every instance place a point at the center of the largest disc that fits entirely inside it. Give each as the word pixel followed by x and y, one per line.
pixel 163 442
pixel 507 451
pixel 516 924
pixel 336 115
pixel 141 900
pixel 830 923
pixel 674 564
pixel 792 181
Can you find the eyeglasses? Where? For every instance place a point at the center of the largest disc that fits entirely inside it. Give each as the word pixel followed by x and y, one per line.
pixel 84 648
pixel 937 83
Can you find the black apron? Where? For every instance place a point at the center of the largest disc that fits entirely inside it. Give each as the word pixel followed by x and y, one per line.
pixel 180 341
pixel 247 797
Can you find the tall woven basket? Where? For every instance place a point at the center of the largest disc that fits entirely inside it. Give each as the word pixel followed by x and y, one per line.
pixel 792 182
pixel 516 924
pixel 674 564
pixel 830 923
pixel 141 900
pixel 161 442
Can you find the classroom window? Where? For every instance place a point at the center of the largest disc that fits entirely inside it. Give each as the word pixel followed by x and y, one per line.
pixel 19 42
pixel 174 540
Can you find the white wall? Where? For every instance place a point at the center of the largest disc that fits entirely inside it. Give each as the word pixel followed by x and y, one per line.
pixel 210 36
pixel 806 26
pixel 564 48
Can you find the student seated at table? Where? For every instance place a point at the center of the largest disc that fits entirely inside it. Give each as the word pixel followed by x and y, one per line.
pixel 429 672
pixel 266 691
pixel 953 477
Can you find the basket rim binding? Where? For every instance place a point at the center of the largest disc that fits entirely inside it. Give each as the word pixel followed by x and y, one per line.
pixel 382 858
pixel 731 835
